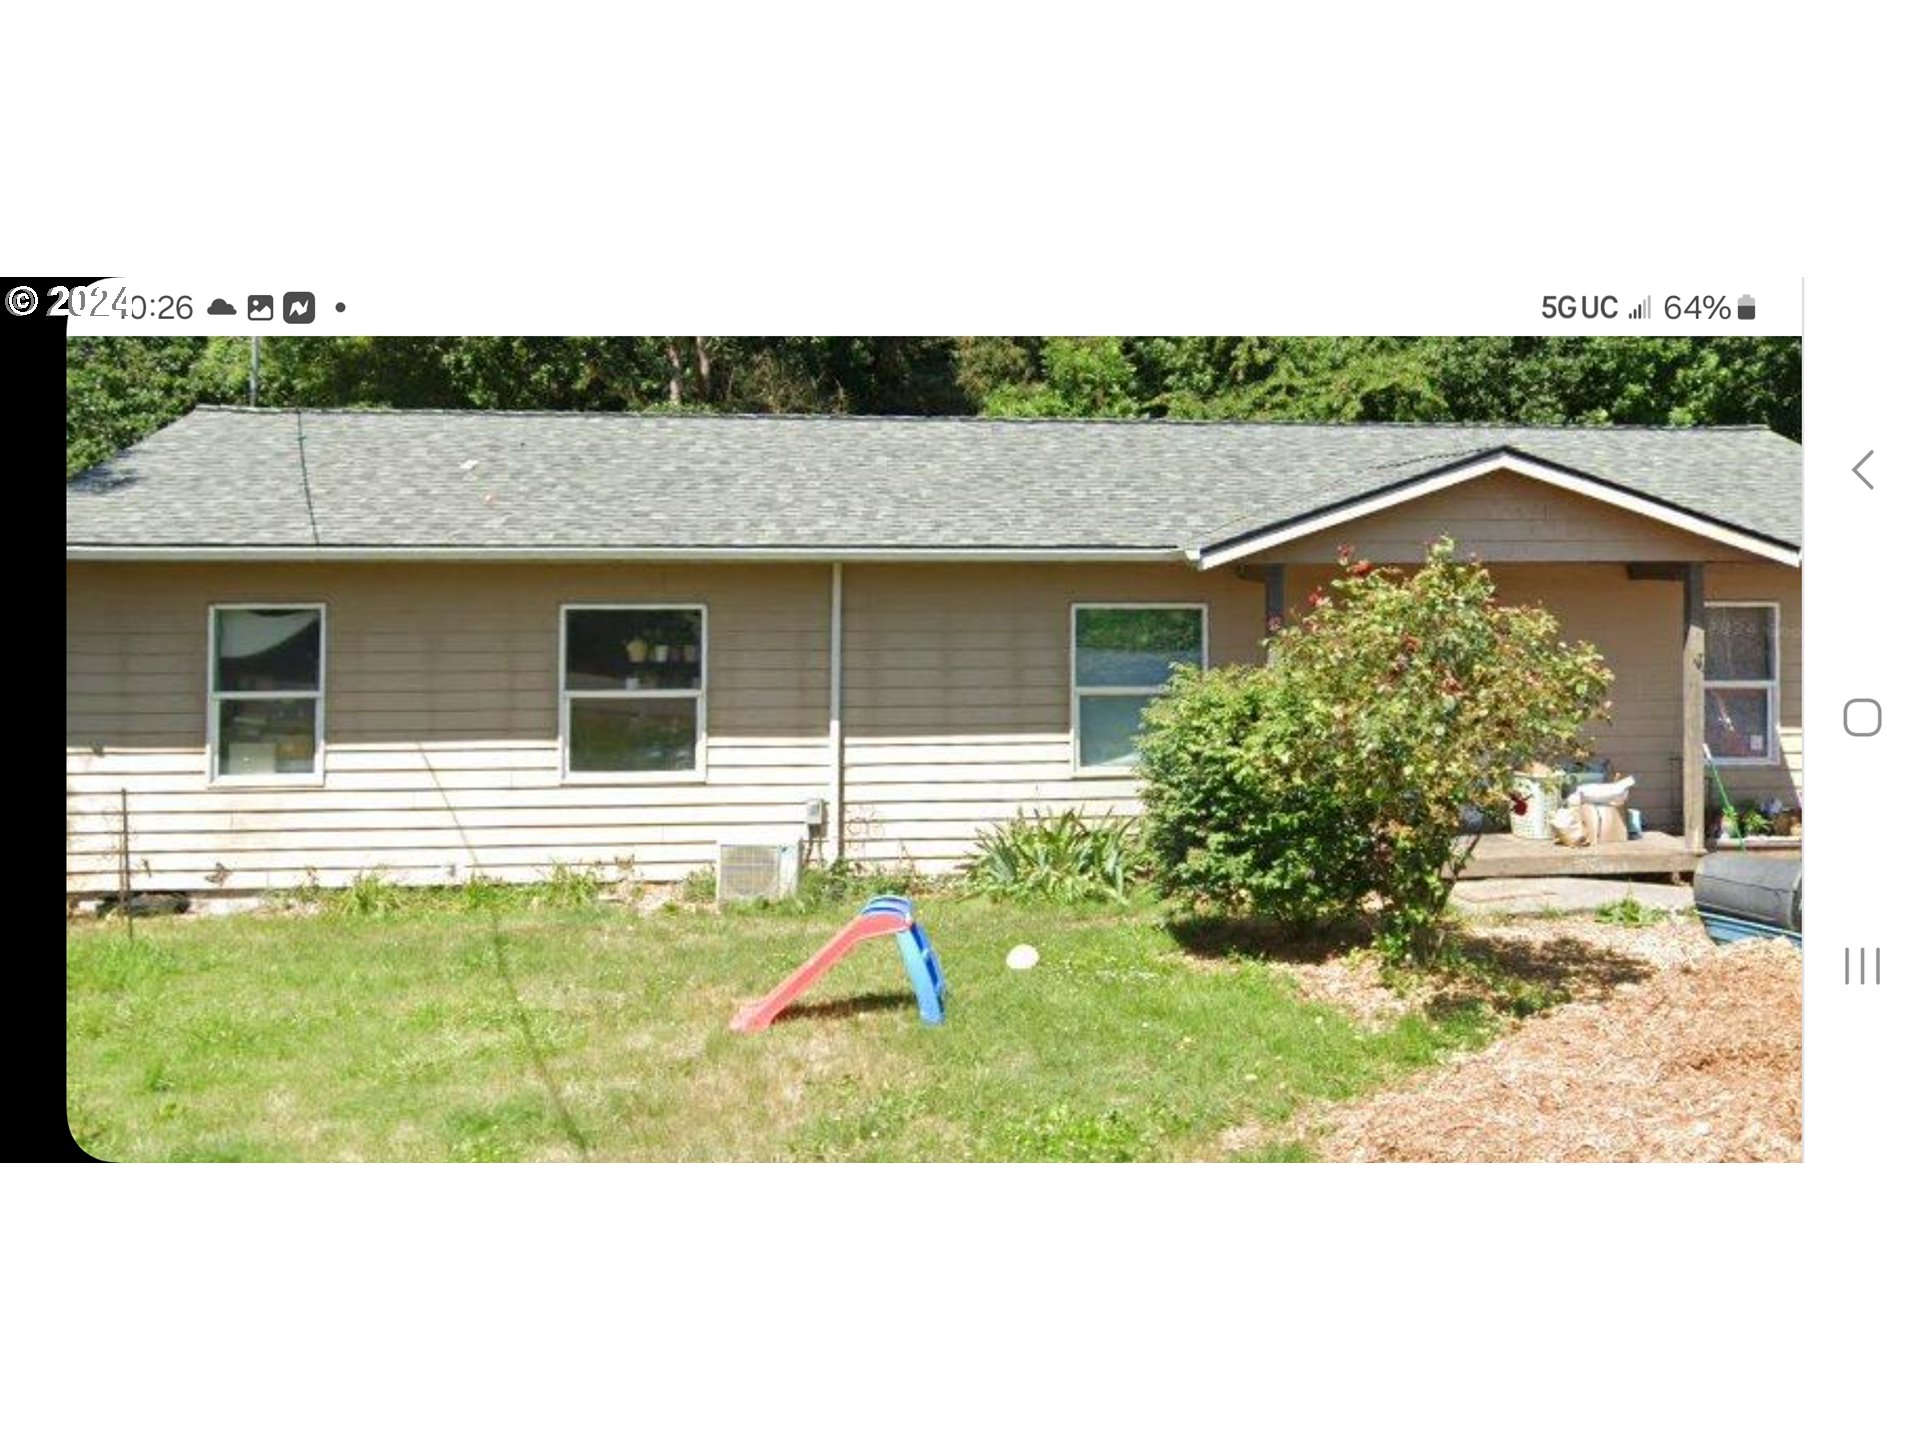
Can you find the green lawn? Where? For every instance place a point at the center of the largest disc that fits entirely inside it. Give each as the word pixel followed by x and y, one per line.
pixel 590 1032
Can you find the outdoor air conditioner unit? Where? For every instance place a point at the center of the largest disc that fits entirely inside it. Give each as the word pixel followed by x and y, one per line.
pixel 758 868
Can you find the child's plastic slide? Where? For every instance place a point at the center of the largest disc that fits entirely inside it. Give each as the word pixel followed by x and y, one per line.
pixel 883 915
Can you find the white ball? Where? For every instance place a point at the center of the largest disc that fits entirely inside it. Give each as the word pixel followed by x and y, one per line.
pixel 1022 957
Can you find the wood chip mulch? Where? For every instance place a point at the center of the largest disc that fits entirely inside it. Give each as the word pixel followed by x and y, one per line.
pixel 1699 1060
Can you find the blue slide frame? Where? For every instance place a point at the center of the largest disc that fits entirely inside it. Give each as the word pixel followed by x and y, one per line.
pixel 916 953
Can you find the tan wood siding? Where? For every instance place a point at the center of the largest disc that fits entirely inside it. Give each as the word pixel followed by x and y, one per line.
pixel 442 711
pixel 1505 517
pixel 958 694
pixel 442 725
pixel 1637 627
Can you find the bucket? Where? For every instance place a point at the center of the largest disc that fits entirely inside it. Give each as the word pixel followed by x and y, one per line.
pixel 1542 794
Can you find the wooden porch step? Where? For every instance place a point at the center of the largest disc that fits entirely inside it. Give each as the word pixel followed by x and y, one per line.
pixel 1509 856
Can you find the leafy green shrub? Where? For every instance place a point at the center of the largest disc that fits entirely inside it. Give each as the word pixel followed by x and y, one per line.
pixel 569 888
pixel 699 887
pixel 369 893
pixel 1237 819
pixel 1062 857
pixel 1340 770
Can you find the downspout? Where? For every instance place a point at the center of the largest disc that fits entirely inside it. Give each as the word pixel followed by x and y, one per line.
pixel 836 747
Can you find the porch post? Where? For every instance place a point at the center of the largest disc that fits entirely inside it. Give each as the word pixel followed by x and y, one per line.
pixel 1276 578
pixel 1693 706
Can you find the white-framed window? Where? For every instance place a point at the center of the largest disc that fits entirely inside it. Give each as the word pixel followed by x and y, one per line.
pixel 633 692
pixel 266 694
pixel 1121 656
pixel 1743 682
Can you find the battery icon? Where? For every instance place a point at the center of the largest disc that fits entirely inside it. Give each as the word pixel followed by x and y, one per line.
pixel 1744 307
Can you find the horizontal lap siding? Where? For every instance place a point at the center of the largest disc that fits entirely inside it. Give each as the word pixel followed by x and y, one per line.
pixel 442 710
pixel 958 696
pixel 1635 624
pixel 1506 517
pixel 442 725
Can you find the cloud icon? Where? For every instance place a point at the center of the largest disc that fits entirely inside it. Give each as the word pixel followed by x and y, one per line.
pixel 221 307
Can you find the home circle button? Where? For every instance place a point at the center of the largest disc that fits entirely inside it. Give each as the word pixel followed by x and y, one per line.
pixel 1862 717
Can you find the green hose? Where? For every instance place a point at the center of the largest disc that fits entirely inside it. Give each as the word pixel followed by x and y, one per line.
pixel 1726 801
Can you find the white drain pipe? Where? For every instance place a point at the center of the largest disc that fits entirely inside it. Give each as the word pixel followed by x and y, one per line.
pixel 836 747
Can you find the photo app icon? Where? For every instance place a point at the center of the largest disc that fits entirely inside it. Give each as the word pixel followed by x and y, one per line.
pixel 260 307
pixel 296 307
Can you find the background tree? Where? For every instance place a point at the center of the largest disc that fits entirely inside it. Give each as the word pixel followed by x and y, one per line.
pixel 1087 378
pixel 121 389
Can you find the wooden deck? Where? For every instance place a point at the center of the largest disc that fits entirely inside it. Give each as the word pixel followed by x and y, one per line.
pixel 1508 856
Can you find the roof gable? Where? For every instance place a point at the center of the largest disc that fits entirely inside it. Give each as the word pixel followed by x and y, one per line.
pixel 1241 541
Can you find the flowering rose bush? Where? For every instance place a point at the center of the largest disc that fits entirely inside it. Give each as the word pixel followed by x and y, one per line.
pixel 1341 768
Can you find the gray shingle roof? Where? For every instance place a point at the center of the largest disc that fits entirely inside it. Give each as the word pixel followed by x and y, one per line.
pixel 233 477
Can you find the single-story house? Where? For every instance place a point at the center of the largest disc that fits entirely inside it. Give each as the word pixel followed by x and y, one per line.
pixel 306 644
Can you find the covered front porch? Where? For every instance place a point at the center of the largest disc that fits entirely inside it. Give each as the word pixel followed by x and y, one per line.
pixel 1649 620
pixel 1641 583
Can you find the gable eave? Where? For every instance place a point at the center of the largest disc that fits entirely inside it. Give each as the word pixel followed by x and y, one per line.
pixel 1245 541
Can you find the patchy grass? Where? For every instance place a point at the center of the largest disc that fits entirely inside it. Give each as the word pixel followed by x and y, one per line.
pixel 471 1025
pixel 1632 913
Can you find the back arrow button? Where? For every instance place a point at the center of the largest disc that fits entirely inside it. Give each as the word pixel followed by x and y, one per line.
pixel 1856 469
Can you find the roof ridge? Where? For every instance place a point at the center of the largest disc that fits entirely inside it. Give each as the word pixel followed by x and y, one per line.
pixel 1037 421
pixel 715 481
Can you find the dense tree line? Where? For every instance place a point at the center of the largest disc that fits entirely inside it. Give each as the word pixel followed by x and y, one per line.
pixel 119 389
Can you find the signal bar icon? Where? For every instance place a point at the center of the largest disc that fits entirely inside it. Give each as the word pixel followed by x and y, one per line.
pixel 1642 311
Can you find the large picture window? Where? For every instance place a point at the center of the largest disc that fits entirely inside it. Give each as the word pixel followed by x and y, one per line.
pixel 1123 656
pixel 266 666
pixel 633 690
pixel 1743 682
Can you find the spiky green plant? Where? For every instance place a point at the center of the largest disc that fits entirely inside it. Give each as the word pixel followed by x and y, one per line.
pixel 1063 857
